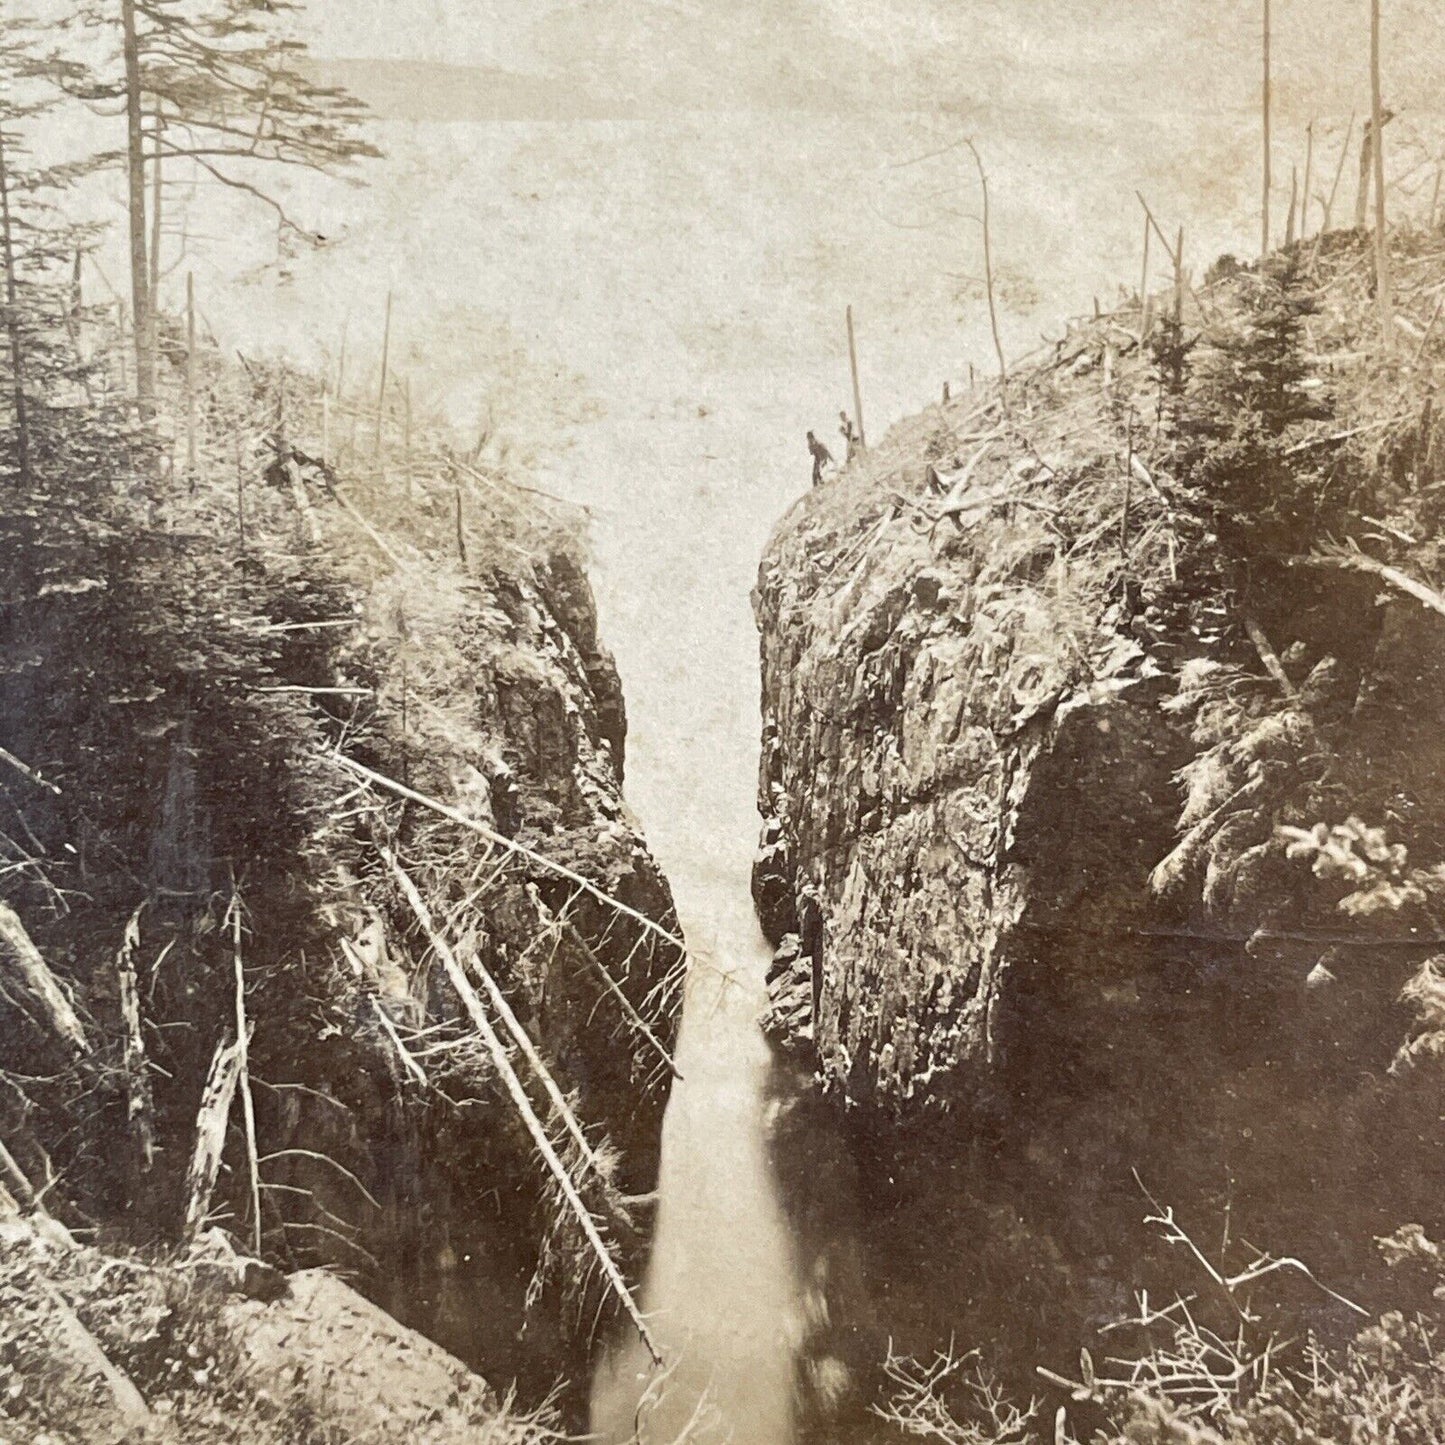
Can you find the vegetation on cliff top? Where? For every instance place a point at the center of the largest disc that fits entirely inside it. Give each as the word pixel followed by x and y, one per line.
pixel 321 913
pixel 1234 490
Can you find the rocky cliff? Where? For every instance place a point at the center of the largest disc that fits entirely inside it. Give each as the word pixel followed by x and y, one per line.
pixel 1065 685
pixel 328 757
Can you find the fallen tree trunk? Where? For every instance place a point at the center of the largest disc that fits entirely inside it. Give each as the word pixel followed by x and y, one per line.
pixel 401 790
pixel 140 1107
pixel 39 992
pixel 504 1009
pixel 211 1120
pixel 456 975
pixel 86 1353
pixel 1356 561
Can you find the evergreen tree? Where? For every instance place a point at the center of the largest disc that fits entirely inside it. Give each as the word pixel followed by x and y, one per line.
pixel 1233 431
pixel 219 86
pixel 38 246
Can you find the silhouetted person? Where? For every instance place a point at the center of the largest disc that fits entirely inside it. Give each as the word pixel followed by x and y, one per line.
pixel 822 457
pixel 848 432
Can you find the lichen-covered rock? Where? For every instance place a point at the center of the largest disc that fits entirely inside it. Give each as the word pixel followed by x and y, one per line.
pixel 949 779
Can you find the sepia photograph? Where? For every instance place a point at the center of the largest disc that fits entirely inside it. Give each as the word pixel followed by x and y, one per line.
pixel 722 723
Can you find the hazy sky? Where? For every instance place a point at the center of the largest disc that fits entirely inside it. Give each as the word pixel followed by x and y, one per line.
pixel 638 250
pixel 1179 54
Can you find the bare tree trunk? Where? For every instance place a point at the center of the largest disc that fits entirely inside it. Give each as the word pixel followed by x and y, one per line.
pixel 243 1079
pixel 192 430
pixel 988 279
pixel 1144 287
pixel 140 1108
pixel 1362 195
pixel 1304 209
pixel 157 131
pixel 145 362
pixel 857 390
pixel 211 1120
pixel 1382 239
pixel 1329 203
pixel 381 390
pixel 1265 107
pixel 12 326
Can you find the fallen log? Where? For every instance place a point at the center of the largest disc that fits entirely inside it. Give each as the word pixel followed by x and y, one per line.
pixel 472 1002
pixel 211 1120
pixel 504 1010
pixel 1357 561
pixel 85 1351
pixel 40 994
pixel 140 1107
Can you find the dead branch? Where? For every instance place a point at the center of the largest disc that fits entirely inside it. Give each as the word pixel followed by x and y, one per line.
pixel 140 1107
pixel 408 1063
pixel 478 1015
pixel 211 1119
pixel 41 994
pixel 1268 656
pixel 6 756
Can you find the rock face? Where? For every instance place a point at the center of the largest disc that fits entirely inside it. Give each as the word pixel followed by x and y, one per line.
pixel 98 1348
pixel 363 788
pixel 951 824
pixel 473 1248
pixel 1030 734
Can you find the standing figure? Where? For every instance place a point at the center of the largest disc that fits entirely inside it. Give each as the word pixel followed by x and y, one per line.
pixel 849 435
pixel 822 457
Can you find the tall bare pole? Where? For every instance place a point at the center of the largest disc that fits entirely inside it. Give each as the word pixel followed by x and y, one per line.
pixel 1304 209
pixel 341 361
pixel 191 437
pixel 1382 240
pixel 1328 204
pixel 988 275
pixel 145 361
pixel 158 131
pixel 857 391
pixel 1144 285
pixel 1264 105
pixel 1179 278
pixel 381 390
pixel 12 325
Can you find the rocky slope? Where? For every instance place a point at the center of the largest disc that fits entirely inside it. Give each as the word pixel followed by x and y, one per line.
pixel 1044 675
pixel 300 749
pixel 97 1349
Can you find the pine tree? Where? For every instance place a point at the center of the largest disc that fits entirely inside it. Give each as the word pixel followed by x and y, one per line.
pixel 226 93
pixel 37 246
pixel 1233 431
